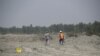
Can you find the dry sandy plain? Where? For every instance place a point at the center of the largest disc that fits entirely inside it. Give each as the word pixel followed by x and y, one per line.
pixel 32 45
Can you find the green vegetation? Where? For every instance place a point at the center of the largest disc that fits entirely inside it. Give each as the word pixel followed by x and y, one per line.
pixel 89 29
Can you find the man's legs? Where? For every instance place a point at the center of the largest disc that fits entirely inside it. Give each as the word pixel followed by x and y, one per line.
pixel 61 41
pixel 47 41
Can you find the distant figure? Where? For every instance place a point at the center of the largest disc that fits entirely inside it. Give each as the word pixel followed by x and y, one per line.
pixel 47 38
pixel 61 37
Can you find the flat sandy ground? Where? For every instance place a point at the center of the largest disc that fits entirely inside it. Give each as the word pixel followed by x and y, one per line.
pixel 32 45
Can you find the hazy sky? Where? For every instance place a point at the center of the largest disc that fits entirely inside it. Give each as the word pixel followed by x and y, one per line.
pixel 47 12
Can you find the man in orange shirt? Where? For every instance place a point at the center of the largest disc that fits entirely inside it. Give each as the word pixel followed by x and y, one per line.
pixel 61 37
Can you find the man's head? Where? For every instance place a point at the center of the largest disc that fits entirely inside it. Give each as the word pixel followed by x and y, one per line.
pixel 60 31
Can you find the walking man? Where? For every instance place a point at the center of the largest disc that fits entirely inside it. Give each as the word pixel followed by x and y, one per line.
pixel 61 37
pixel 47 38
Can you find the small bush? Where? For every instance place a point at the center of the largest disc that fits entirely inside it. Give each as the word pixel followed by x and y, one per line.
pixel 89 33
pixel 72 35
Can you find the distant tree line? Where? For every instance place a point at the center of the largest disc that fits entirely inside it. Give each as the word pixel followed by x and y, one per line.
pixel 90 28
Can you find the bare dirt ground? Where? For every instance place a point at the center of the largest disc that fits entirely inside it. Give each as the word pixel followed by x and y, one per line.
pixel 32 46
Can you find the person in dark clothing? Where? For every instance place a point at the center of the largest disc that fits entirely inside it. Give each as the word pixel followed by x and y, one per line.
pixel 47 38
